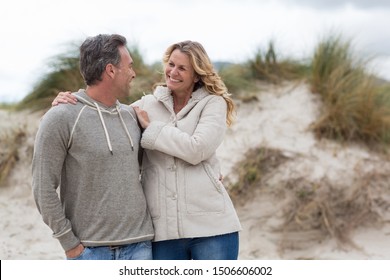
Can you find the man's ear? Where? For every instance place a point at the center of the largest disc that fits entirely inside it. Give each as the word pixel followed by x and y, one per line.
pixel 110 70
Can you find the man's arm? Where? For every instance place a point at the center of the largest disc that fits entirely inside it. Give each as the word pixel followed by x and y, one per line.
pixel 50 151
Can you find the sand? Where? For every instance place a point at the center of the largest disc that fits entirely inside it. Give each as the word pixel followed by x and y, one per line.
pixel 280 119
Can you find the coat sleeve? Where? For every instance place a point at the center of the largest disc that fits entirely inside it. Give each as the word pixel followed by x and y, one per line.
pixel 195 148
pixel 50 150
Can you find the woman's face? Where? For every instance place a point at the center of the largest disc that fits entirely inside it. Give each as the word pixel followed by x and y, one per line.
pixel 180 76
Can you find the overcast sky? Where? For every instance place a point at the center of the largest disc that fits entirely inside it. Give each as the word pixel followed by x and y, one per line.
pixel 33 31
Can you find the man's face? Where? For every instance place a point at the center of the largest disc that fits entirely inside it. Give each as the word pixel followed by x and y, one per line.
pixel 125 73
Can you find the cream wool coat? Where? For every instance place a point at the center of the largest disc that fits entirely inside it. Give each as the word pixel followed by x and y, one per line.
pixel 180 171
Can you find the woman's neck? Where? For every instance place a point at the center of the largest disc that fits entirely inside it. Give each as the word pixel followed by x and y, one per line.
pixel 180 101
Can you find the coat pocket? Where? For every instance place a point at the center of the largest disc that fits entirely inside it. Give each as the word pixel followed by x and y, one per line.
pixel 203 190
pixel 151 184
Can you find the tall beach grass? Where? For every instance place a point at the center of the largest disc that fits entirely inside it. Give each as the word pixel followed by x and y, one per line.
pixel 10 140
pixel 65 76
pixel 356 107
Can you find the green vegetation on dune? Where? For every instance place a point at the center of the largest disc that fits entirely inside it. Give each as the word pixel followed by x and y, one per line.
pixel 66 76
pixel 356 107
pixel 10 143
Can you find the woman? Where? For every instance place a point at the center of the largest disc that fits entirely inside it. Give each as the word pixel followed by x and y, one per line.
pixel 184 122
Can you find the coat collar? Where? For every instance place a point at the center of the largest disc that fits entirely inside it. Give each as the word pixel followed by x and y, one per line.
pixel 164 95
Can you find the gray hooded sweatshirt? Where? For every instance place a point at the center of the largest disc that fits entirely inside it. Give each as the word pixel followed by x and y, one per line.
pixel 90 152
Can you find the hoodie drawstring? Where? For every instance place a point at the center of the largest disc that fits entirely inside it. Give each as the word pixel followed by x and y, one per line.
pixel 124 126
pixel 104 127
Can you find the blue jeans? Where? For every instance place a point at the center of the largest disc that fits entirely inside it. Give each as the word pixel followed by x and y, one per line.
pixel 135 251
pixel 219 247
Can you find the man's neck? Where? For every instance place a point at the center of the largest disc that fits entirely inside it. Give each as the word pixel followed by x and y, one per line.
pixel 101 95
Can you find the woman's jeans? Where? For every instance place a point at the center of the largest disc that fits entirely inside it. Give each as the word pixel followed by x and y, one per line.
pixel 219 247
pixel 135 251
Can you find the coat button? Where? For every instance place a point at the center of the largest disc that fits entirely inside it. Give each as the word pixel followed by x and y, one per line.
pixel 172 167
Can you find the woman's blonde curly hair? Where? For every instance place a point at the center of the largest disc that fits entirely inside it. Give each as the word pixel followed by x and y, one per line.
pixel 203 67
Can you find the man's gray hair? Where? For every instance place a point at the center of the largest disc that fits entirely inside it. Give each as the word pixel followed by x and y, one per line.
pixel 98 51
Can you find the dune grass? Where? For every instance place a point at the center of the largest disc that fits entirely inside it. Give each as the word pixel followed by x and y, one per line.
pixel 251 171
pixel 316 211
pixel 65 76
pixel 239 81
pixel 311 211
pixel 356 108
pixel 8 106
pixel 10 139
pixel 267 65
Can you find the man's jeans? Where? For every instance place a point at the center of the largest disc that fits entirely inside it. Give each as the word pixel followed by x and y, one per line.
pixel 219 247
pixel 136 251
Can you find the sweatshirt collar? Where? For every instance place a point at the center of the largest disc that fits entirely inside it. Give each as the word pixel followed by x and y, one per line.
pixel 100 107
pixel 83 97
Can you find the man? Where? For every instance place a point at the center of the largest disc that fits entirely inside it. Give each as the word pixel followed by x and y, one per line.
pixel 90 152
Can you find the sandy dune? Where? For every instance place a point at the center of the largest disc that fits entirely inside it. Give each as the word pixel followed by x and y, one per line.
pixel 279 120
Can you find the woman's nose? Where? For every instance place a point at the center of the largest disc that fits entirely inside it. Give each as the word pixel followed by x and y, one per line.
pixel 174 71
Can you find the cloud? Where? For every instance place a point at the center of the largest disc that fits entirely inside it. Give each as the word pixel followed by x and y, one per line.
pixel 229 30
pixel 333 4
